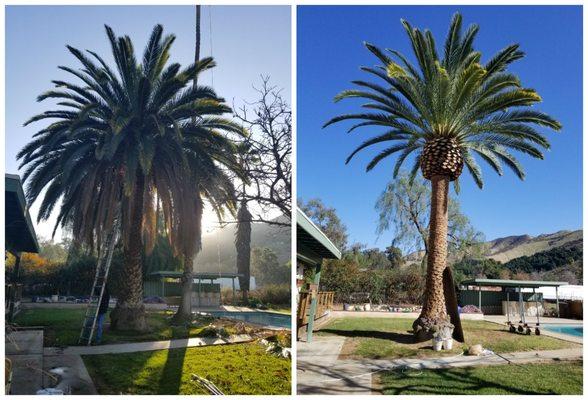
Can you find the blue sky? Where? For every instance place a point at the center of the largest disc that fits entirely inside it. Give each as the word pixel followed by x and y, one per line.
pixel 246 43
pixel 329 54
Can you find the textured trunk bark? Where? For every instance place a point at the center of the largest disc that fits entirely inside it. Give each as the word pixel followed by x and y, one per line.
pixel 184 313
pixel 243 247
pixel 129 313
pixel 434 314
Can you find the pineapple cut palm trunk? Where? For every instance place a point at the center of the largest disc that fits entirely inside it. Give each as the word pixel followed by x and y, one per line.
pixel 434 314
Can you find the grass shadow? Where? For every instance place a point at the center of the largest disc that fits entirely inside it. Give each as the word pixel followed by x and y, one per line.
pixel 172 372
pixel 402 338
pixel 464 377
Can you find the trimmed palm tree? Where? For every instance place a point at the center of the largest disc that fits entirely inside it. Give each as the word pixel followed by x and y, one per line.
pixel 442 113
pixel 243 247
pixel 248 157
pixel 132 138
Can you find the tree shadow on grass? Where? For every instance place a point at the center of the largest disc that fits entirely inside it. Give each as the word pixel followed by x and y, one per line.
pixel 170 380
pixel 403 338
pixel 467 383
pixel 116 373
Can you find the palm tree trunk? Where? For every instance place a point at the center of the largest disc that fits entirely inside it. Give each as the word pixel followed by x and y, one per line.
pixel 243 246
pixel 434 314
pixel 129 313
pixel 184 313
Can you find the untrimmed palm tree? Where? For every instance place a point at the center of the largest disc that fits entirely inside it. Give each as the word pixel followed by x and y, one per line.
pixel 132 138
pixel 442 113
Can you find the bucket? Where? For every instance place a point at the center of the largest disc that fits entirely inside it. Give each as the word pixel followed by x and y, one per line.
pixel 448 344
pixel 437 344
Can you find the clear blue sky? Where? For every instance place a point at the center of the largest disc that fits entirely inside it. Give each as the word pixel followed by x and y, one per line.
pixel 329 55
pixel 246 43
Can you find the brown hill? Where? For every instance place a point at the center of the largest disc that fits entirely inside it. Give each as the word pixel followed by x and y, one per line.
pixel 510 247
pixel 507 248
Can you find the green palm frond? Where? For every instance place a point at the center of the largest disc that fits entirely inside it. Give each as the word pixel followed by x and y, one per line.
pixel 139 120
pixel 450 94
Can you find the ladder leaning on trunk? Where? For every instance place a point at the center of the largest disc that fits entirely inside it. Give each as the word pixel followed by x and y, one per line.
pixel 102 269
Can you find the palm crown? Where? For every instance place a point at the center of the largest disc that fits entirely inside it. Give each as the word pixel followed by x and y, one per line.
pixel 445 110
pixel 140 133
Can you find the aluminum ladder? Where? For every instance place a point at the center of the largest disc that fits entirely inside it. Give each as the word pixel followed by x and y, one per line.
pixel 100 278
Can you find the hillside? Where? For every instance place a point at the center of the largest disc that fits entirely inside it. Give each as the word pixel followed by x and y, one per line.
pixel 551 257
pixel 218 247
pixel 510 247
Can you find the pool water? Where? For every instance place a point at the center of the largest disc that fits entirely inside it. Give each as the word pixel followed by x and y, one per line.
pixel 257 317
pixel 574 330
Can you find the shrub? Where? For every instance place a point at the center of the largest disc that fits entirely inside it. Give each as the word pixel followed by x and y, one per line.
pixel 393 286
pixel 271 295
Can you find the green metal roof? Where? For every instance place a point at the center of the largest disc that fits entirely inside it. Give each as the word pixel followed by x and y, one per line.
pixel 311 242
pixel 19 229
pixel 511 283
pixel 195 275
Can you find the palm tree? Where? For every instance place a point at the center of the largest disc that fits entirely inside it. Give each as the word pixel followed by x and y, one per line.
pixel 243 247
pixel 441 113
pixel 126 139
pixel 248 158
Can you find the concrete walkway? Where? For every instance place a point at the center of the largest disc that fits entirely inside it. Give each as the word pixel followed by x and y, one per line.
pixel 32 369
pixel 145 346
pixel 321 372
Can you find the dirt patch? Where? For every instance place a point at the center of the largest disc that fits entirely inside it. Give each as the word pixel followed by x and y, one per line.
pixel 349 349
pixel 377 384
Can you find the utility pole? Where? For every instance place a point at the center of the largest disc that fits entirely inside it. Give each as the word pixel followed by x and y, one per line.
pixel 197 48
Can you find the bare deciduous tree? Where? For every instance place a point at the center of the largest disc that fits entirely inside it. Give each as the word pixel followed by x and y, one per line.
pixel 269 148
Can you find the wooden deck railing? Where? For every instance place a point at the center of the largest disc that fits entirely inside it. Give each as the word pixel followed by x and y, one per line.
pixel 324 304
pixel 12 300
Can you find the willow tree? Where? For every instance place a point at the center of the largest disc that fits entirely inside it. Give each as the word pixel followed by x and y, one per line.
pixel 132 137
pixel 443 113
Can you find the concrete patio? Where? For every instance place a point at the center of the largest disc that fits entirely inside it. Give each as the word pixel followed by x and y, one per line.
pixel 32 368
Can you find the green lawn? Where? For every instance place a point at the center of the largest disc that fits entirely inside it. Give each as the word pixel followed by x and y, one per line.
pixel 234 369
pixel 391 338
pixel 62 327
pixel 537 379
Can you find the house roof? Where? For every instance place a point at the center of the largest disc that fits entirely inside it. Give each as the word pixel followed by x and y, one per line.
pixel 195 275
pixel 311 242
pixel 510 283
pixel 19 229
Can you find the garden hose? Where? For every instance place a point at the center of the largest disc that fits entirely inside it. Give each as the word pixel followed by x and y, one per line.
pixel 205 383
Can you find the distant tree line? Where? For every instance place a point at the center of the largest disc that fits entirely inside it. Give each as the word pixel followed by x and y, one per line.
pixel 546 260
pixel 560 263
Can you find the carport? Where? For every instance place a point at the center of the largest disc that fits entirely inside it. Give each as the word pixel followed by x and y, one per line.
pixel 167 283
pixel 518 285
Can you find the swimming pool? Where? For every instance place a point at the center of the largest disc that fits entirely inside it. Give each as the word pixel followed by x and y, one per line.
pixel 573 330
pixel 271 319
